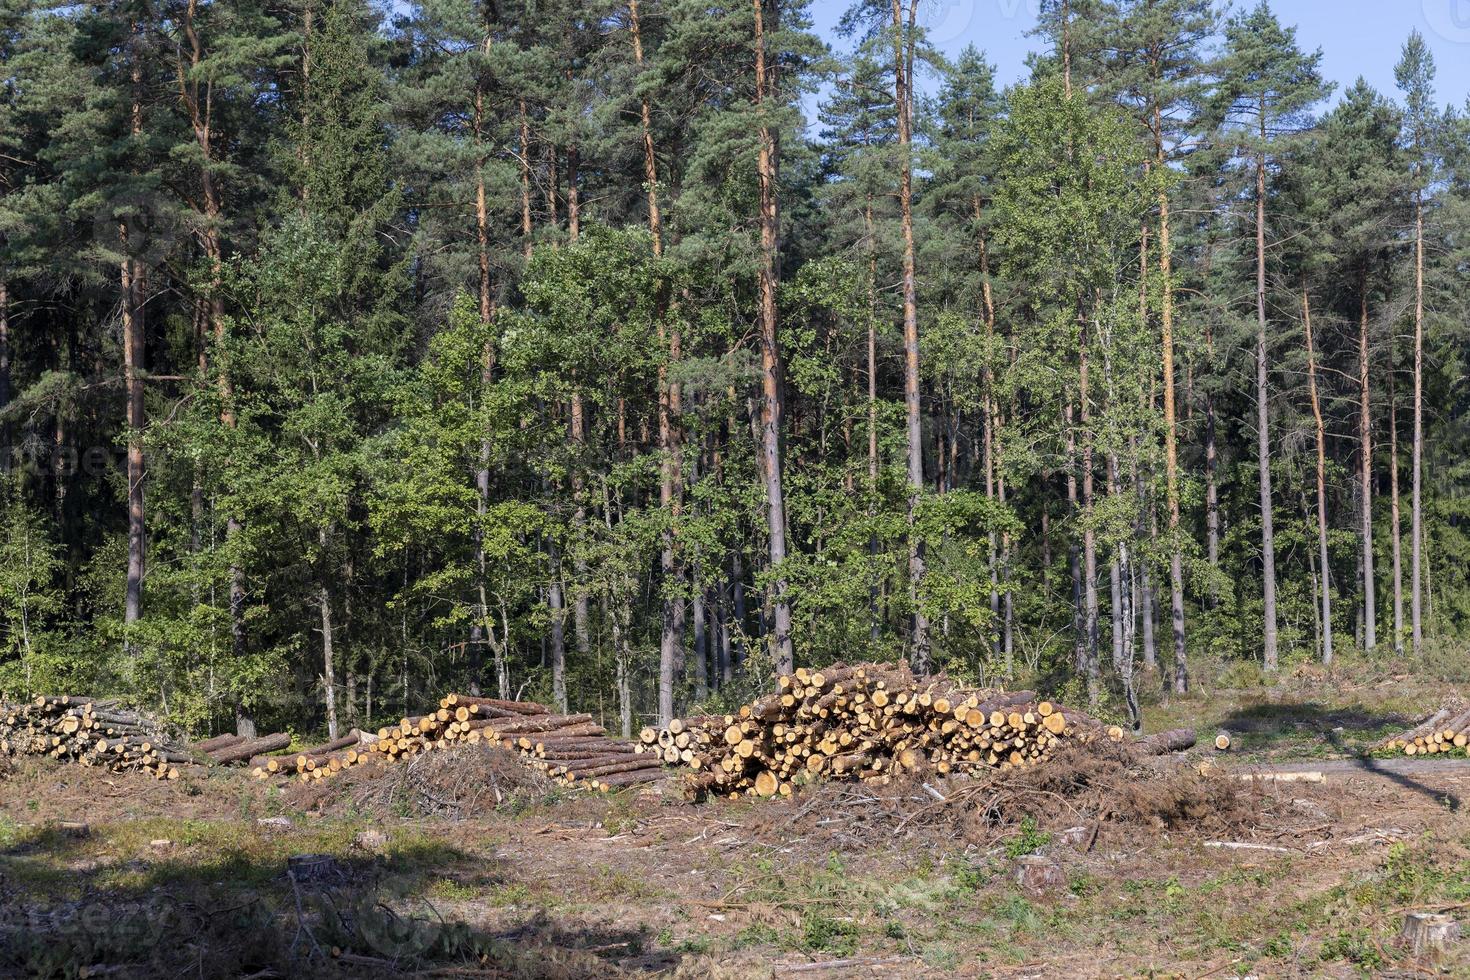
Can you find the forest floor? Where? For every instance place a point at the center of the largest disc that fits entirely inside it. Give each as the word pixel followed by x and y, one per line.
pixel 189 877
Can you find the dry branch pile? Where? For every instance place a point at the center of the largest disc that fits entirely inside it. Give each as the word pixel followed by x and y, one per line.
pixel 1444 731
pixel 90 733
pixel 871 722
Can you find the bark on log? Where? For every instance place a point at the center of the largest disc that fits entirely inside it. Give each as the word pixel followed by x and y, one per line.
pixel 1174 740
pixel 249 747
pixel 218 742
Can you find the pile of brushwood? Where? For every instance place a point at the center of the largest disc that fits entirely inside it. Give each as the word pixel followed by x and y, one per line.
pixel 1085 790
pixel 871 722
pixel 573 749
pixel 1446 730
pixel 90 733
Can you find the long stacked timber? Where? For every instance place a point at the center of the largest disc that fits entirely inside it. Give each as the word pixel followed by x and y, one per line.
pixel 871 722
pixel 571 748
pixel 1444 731
pixel 90 732
pixel 316 762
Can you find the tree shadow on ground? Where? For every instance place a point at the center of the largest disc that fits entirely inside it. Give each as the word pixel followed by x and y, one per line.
pixel 1267 726
pixel 1352 732
pixel 67 911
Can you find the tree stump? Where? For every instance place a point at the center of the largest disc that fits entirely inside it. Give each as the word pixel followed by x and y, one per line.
pixel 314 868
pixel 1040 876
pixel 1426 934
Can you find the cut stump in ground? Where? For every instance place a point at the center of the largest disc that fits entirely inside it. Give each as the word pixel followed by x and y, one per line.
pixel 1426 934
pixel 1038 876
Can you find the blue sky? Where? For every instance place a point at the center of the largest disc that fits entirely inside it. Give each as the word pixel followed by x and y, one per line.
pixel 1357 37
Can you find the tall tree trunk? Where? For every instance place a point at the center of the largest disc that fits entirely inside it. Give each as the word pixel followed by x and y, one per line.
pixel 1074 559
pixel 1089 536
pixel 581 615
pixel 1212 502
pixel 1323 560
pixel 133 369
pixel 1146 524
pixel 198 98
pixel 903 42
pixel 672 627
pixel 556 602
pixel 133 331
pixel 1263 432
pixel 875 620
pixel 701 641
pixel 1067 48
pixel 1395 517
pixel 1416 512
pixel 1365 456
pixel 724 666
pixel 479 628
pixel 482 208
pixel 552 186
pixel 5 462
pixel 768 165
pixel 620 619
pixel 991 440
pixel 1171 437
pixel 1116 573
pixel 525 138
pixel 574 195
pixel 329 676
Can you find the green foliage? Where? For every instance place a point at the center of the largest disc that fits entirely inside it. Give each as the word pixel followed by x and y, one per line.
pixel 410 352
pixel 1027 840
pixel 31 652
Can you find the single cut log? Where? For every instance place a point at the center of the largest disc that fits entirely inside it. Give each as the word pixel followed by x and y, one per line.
pixel 249 747
pixel 1174 740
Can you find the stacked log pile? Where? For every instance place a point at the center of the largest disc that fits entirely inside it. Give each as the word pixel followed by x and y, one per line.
pixel 870 722
pixel 316 762
pixel 1446 730
pixel 90 733
pixel 571 748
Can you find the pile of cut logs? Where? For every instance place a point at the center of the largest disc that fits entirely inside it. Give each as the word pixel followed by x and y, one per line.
pixel 1444 731
pixel 869 722
pixel 316 762
pixel 90 733
pixel 572 748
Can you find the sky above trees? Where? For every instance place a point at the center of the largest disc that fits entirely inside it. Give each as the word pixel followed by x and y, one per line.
pixel 1357 37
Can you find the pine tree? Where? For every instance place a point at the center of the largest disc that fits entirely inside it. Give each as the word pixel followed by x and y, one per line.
pixel 1266 90
pixel 1160 72
pixel 1415 76
pixel 1357 179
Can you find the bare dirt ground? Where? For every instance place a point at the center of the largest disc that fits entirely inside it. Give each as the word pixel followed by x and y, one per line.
pixel 1129 872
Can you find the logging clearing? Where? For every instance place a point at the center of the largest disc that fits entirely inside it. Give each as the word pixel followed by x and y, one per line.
pixel 867 722
pixel 476 840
